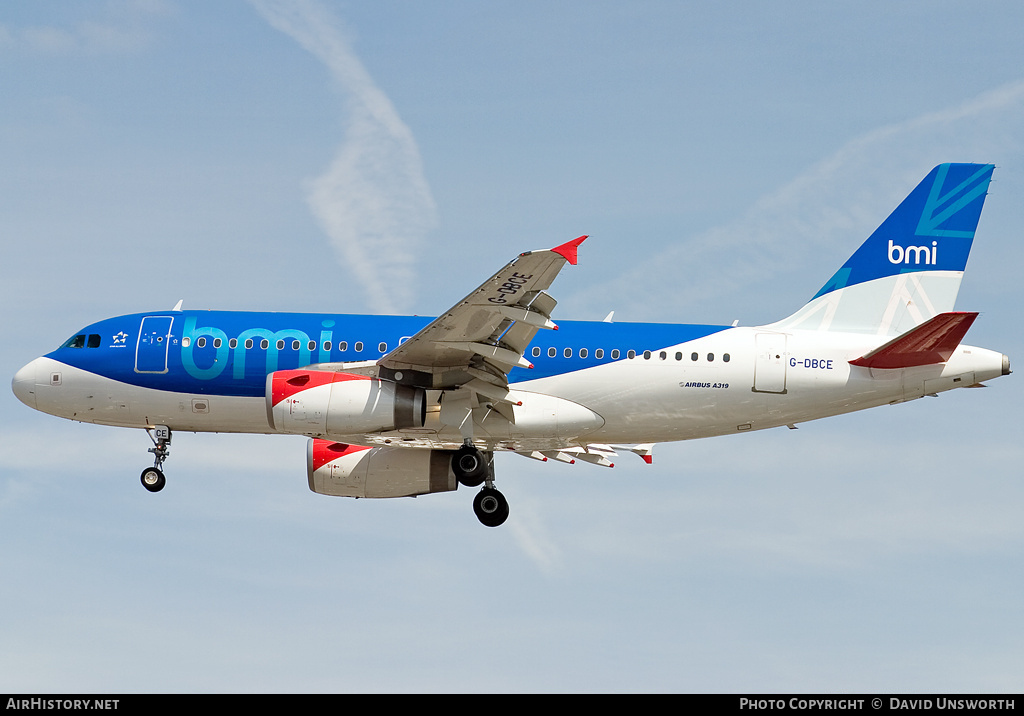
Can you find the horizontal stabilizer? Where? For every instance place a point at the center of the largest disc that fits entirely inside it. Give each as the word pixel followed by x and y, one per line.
pixel 932 342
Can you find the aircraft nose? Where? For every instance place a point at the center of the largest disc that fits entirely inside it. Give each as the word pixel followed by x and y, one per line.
pixel 24 384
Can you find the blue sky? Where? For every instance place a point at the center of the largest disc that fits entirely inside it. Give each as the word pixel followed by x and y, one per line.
pixel 386 157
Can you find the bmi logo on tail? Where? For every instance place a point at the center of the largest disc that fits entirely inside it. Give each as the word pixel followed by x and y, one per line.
pixel 900 255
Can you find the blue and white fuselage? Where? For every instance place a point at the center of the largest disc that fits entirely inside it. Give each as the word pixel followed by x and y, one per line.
pixel 205 371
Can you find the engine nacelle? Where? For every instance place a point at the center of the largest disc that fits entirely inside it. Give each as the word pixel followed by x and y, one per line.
pixel 356 471
pixel 319 402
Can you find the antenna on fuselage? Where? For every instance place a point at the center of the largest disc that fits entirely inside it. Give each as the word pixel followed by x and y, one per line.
pixel 177 306
pixel 608 318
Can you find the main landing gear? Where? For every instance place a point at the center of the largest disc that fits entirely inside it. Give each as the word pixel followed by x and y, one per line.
pixel 472 468
pixel 153 477
pixel 491 507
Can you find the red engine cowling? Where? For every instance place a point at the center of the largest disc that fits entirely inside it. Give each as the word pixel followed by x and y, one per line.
pixel 356 471
pixel 321 403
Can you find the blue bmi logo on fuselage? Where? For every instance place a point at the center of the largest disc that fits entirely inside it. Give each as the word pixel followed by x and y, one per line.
pixel 231 353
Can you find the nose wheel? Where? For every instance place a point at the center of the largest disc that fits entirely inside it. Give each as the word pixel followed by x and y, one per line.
pixel 153 477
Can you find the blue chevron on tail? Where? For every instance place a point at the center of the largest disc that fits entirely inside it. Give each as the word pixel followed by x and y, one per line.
pixel 909 270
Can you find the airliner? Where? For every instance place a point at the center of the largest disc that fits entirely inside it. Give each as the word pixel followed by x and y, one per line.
pixel 398 406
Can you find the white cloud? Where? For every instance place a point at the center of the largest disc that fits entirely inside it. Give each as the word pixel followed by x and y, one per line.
pixel 822 208
pixel 122 30
pixel 373 201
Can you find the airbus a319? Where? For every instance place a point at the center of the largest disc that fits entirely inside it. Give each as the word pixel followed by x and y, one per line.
pixel 398 406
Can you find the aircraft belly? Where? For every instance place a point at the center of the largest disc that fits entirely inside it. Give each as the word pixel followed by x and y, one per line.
pixel 541 422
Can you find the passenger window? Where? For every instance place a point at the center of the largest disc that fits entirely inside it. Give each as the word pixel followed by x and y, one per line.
pixel 327 346
pixel 280 345
pixel 567 352
pixel 295 345
pixel 248 343
pixel 694 356
pixel 232 343
pixel 647 355
pixel 615 353
pixel 311 345
pixel 186 342
pixel 264 344
pixel 726 357
pixel 343 346
pixel 552 352
pixel 383 347
pixel 631 354
pixel 201 342
pixel 536 351
pixel 711 357
pixel 583 353
pixel 216 342
pixel 679 356
pixel 599 353
pixel 359 346
pixel 94 340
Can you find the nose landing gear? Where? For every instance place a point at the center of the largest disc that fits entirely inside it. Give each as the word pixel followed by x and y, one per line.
pixel 153 477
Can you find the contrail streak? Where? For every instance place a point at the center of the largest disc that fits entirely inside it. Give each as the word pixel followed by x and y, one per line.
pixel 373 201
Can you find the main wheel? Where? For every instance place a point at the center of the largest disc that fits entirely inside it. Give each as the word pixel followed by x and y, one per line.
pixel 153 480
pixel 469 466
pixel 491 507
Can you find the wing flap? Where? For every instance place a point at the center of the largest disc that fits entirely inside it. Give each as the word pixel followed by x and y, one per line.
pixel 931 342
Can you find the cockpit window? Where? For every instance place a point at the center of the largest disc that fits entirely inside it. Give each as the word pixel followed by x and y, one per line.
pixel 94 340
pixel 75 341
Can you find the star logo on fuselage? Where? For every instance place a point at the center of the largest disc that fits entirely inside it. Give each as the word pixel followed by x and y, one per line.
pixel 120 338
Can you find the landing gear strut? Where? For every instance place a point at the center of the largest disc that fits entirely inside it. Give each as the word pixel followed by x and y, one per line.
pixel 153 477
pixel 472 468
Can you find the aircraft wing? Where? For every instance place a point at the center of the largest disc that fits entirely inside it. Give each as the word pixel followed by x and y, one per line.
pixel 482 337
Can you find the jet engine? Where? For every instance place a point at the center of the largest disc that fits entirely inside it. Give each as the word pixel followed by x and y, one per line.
pixel 356 471
pixel 319 403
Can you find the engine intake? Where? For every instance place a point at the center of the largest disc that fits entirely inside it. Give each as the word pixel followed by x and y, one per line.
pixel 320 403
